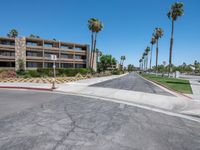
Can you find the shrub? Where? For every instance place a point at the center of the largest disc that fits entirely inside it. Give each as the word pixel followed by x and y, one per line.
pixel 33 73
pixel 63 71
pixel 21 73
pixel 8 74
pixel 116 72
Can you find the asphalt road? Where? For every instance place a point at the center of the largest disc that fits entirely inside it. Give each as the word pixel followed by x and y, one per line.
pixel 132 82
pixel 50 121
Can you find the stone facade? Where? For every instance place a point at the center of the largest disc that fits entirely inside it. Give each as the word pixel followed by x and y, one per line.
pixel 20 52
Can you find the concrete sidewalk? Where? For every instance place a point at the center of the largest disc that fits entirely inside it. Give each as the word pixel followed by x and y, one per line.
pixel 195 85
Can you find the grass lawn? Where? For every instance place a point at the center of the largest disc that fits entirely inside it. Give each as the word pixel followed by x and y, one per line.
pixel 179 85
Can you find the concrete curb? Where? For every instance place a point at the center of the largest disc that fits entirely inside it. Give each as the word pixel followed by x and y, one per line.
pixel 26 88
pixel 167 88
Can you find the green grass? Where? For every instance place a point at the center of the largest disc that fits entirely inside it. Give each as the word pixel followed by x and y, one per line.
pixel 179 85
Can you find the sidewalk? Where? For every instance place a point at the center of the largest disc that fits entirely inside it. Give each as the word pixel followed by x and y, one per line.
pixel 21 85
pixel 195 85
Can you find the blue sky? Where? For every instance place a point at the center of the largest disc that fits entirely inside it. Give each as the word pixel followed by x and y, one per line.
pixel 128 25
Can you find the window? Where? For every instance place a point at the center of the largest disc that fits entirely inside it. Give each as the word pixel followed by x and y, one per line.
pixel 78 48
pixel 7 53
pixel 34 64
pixel 66 65
pixel 80 65
pixel 64 47
pixel 5 42
pixel 46 54
pixel 67 56
pixel 48 45
pixel 32 43
pixel 7 64
pixel 50 65
pixel 34 54
pixel 80 57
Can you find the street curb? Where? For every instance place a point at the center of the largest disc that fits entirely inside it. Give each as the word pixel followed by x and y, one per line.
pixel 26 88
pixel 168 88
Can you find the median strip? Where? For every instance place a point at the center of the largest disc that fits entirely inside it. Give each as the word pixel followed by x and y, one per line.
pixel 176 85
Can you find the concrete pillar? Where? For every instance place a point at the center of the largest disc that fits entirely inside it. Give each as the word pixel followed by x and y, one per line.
pixel 20 52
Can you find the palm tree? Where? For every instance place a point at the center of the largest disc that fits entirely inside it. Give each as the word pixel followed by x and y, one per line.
pixel 158 33
pixel 36 36
pixel 12 33
pixel 95 26
pixel 99 54
pixel 153 41
pixel 175 11
pixel 147 55
pixel 140 61
pixel 122 58
pixel 143 61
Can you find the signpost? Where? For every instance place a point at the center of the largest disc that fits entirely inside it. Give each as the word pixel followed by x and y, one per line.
pixel 54 58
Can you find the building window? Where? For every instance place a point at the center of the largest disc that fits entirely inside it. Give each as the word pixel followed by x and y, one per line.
pixel 80 57
pixel 34 54
pixel 31 43
pixel 5 42
pixel 34 64
pixel 78 48
pixel 80 65
pixel 7 53
pixel 64 47
pixel 66 56
pixel 46 54
pixel 48 45
pixel 66 65
pixel 7 64
pixel 50 65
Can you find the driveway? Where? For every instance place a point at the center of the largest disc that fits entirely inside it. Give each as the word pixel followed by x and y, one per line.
pixel 50 121
pixel 132 82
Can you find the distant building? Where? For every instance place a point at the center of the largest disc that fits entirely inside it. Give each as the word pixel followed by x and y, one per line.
pixel 36 53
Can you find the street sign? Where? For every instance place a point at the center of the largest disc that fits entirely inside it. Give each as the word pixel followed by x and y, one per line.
pixel 53 57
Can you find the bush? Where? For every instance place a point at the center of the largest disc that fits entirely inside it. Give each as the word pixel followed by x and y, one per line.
pixel 33 73
pixel 8 74
pixel 63 71
pixel 116 72
pixel 21 73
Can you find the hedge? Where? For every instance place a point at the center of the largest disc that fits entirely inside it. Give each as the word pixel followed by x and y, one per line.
pixel 48 72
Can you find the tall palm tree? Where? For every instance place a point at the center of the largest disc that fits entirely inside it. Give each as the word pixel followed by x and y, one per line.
pixel 95 26
pixel 13 33
pixel 140 61
pixel 147 55
pixel 175 11
pixel 99 54
pixel 122 58
pixel 158 33
pixel 143 64
pixel 153 41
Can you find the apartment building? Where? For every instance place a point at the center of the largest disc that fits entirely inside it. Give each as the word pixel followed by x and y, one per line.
pixel 36 53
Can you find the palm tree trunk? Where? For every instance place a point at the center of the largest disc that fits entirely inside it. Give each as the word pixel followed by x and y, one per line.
pixel 151 55
pixel 170 51
pixel 94 48
pixel 91 51
pixel 157 57
pixel 147 62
